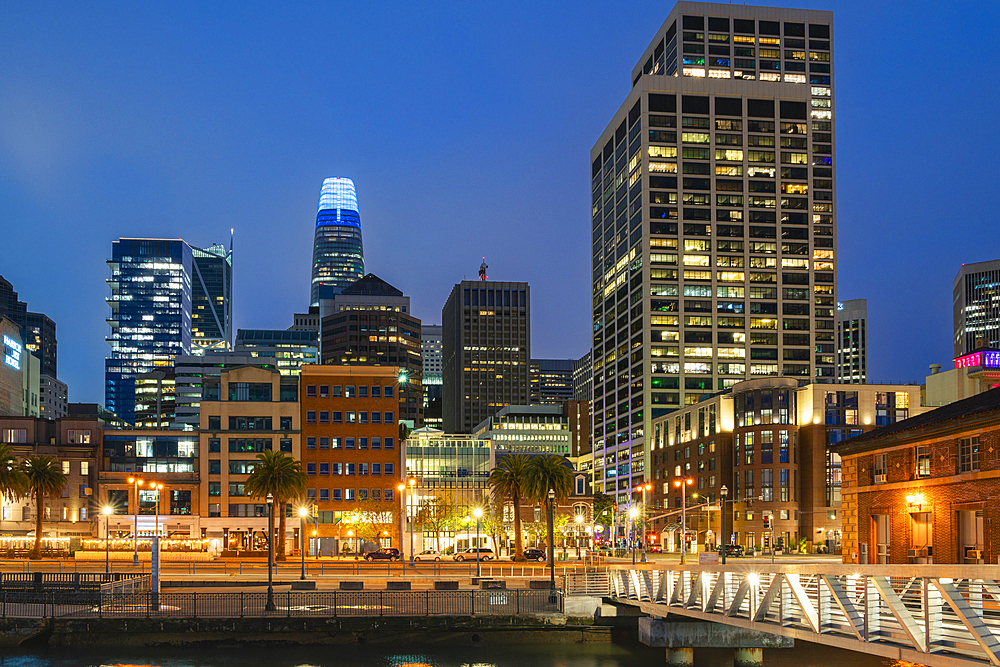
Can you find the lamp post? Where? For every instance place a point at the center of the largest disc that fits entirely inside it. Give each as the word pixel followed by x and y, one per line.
pixel 552 551
pixel 402 517
pixel 724 491
pixel 478 513
pixel 303 512
pixel 682 484
pixel 136 483
pixel 156 517
pixel 579 526
pixel 412 482
pixel 270 551
pixel 632 514
pixel 643 488
pixel 107 537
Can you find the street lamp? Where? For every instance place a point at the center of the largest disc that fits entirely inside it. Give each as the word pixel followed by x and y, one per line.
pixel 579 526
pixel 412 482
pixel 478 513
pixel 156 517
pixel 136 483
pixel 107 537
pixel 270 553
pixel 303 513
pixel 682 484
pixel 632 514
pixel 644 488
pixel 724 491
pixel 552 552
pixel 402 517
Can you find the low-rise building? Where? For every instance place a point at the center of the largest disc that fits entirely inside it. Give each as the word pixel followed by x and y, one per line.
pixel 527 429
pixel 923 490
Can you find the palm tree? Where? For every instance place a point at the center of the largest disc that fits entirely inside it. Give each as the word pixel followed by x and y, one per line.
pixel 508 482
pixel 44 477
pixel 13 483
pixel 548 472
pixel 283 478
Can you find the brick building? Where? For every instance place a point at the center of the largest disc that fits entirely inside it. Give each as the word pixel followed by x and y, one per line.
pixel 350 453
pixel 924 490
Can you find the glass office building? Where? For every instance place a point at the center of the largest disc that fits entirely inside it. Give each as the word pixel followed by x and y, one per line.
pixel 212 301
pixel 338 255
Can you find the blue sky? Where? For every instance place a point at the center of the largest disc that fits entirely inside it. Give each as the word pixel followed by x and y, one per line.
pixel 467 129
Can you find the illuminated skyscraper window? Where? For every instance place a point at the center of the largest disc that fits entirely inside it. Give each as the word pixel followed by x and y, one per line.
pixel 338 255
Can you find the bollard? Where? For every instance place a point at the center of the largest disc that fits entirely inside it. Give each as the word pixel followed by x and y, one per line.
pixel 748 657
pixel 680 657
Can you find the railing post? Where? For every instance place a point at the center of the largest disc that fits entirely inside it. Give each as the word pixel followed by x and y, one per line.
pixel 334 602
pixel 933 617
pixel 517 600
pixel 427 602
pixel 381 603
pixel 194 605
pixel 241 604
pixel 288 603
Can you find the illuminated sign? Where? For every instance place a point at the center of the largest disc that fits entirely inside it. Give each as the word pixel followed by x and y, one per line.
pixel 12 352
pixel 979 360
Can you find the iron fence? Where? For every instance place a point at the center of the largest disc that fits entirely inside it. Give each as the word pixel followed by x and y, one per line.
pixel 332 604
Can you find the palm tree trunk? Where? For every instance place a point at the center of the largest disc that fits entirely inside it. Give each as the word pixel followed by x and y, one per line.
pixel 37 551
pixel 518 546
pixel 280 539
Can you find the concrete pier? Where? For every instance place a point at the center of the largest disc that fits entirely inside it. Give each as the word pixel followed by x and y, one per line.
pixel 748 657
pixel 680 657
pixel 680 639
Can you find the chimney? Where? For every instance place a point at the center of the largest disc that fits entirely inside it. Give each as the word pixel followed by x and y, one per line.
pixel 935 369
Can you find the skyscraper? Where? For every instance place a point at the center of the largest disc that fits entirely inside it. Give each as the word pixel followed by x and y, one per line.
pixel 338 255
pixel 486 348
pixel 211 299
pixel 431 354
pixel 713 220
pixel 976 298
pixel 551 381
pixel 38 331
pixel 852 341
pixel 152 318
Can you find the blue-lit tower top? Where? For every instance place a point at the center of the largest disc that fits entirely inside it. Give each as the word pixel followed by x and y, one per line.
pixel 338 253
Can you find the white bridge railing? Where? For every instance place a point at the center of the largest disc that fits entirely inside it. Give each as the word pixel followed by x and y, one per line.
pixel 939 615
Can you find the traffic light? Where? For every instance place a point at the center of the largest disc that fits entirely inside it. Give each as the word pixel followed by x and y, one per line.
pixel 687 538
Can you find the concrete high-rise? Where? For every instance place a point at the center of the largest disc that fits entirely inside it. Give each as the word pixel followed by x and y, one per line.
pixel 551 381
pixel 431 353
pixel 976 298
pixel 713 220
pixel 486 348
pixel 338 254
pixel 852 341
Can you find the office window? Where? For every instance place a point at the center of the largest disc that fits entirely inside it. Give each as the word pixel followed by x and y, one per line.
pixel 389 495
pixel 376 418
pixel 362 392
pixel 310 416
pixel 84 467
pixel 923 460
pixel 352 418
pixel 362 443
pixel 324 494
pixel 286 445
pixel 349 392
pixel 337 469
pixel 336 391
pixel 350 468
pixel 968 454
pixel 387 392
pixel 376 468
pixel 324 391
pixel 310 468
pixel 214 467
pixel 324 443
pixel 389 418
pixel 311 442
pixel 376 442
pixel 215 488
pixel 362 468
pixel 338 494
pixel 215 423
pixel 388 468
pixel 337 417
pixel 376 392
pixel 348 443
pixel 362 417
pixel 286 423
pixel 324 417
pixel 880 468
pixel 335 443
pixel 388 443
pixel 324 468
pixel 349 494
pixel 311 390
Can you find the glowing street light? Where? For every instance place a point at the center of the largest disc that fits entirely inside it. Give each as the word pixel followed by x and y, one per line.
pixel 136 483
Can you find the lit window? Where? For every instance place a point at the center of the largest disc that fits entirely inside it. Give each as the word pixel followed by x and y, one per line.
pixel 719 74
pixel 770 76
pixel 693 138
pixel 694 71
pixel 663 151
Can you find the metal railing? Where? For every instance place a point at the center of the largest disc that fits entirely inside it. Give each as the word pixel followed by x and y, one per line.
pixel 588 583
pixel 930 614
pixel 60 580
pixel 289 604
pixel 127 585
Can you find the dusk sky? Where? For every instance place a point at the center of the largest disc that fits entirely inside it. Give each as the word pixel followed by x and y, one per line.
pixel 467 129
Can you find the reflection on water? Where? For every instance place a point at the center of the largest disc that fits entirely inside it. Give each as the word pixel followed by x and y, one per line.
pixel 459 652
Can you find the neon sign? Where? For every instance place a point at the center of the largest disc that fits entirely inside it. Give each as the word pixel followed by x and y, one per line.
pixel 989 359
pixel 12 352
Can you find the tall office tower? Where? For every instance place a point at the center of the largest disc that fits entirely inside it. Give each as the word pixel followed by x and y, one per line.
pixel 976 293
pixel 212 299
pixel 430 354
pixel 38 331
pixel 486 348
pixel 551 381
pixel 338 256
pixel 713 220
pixel 583 378
pixel 852 341
pixel 150 314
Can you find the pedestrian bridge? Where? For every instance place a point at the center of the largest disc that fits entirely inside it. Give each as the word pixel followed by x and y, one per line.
pixel 937 615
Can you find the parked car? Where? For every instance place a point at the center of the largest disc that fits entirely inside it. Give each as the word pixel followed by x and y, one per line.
pixel 470 554
pixel 535 554
pixel 655 549
pixel 431 554
pixel 731 549
pixel 385 553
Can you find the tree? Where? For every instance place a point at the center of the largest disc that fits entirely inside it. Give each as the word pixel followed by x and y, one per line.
pixel 13 483
pixel 281 476
pixel 508 480
pixel 44 477
pixel 435 515
pixel 603 503
pixel 492 522
pixel 548 472
pixel 371 518
pixel 404 432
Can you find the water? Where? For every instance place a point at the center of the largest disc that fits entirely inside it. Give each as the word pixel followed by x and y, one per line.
pixel 460 652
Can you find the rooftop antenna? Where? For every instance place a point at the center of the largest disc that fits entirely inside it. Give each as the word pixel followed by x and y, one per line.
pixel 482 270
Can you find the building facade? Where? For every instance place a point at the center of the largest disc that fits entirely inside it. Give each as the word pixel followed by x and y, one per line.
pixel 288 350
pixel 974 373
pixel 713 220
pixel 583 378
pixel 924 490
pixel 976 299
pixel 338 253
pixel 852 341
pixel 431 355
pixel 155 399
pixel 486 348
pixel 38 331
pixel 212 298
pixel 12 369
pixel 551 381
pixel 350 453
pixel 256 410
pixel 198 378
pixel 527 429
pixel 52 397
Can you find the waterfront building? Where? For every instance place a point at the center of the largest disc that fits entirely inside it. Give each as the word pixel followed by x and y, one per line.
pixel 923 490
pixel 154 285
pixel 253 410
pixel 976 299
pixel 155 399
pixel 486 348
pixel 162 457
pixel 852 341
pixel 74 444
pixel 38 331
pixel 199 378
pixel 287 349
pixel 370 327
pixel 713 219
pixel 431 349
pixel 52 397
pixel 551 381
pixel 338 254
pixel 583 378
pixel 349 434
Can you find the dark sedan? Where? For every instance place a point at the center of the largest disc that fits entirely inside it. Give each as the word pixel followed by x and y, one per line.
pixel 731 549
pixel 382 554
